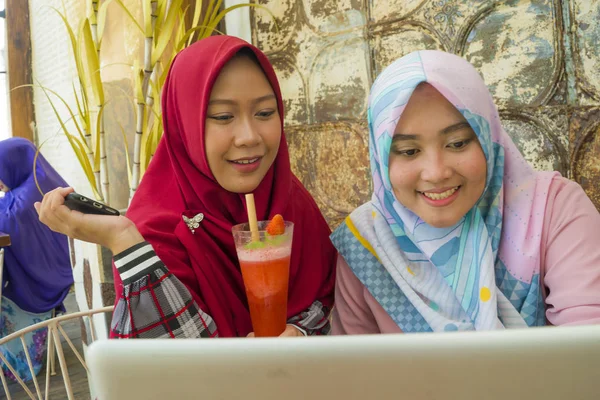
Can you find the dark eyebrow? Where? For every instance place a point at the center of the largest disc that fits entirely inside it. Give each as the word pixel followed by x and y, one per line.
pixel 449 129
pixel 232 102
pixel 455 127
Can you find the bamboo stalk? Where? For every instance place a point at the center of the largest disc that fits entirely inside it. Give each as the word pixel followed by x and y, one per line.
pixel 148 47
pixel 94 27
pixel 154 15
pixel 87 134
pixel 137 147
pixel 154 80
pixel 141 114
pixel 98 180
pixel 97 168
pixel 94 21
pixel 88 141
pixel 102 179
pixel 149 106
pixel 103 157
pixel 157 123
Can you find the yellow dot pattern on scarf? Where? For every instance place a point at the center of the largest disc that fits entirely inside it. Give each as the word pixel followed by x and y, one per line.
pixel 485 294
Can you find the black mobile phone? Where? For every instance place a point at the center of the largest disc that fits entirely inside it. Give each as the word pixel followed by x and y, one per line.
pixel 86 205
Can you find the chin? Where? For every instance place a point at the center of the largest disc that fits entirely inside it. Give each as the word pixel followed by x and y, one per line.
pixel 241 189
pixel 243 186
pixel 441 222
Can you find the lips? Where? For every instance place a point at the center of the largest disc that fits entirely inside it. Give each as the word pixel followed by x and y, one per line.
pixel 246 165
pixel 245 161
pixel 440 195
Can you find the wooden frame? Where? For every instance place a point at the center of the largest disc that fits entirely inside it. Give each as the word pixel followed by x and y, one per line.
pixel 18 66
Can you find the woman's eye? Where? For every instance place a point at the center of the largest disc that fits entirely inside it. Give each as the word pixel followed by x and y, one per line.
pixel 265 114
pixel 224 117
pixel 459 145
pixel 407 153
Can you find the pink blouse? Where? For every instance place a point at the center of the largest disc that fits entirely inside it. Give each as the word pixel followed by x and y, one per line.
pixel 570 259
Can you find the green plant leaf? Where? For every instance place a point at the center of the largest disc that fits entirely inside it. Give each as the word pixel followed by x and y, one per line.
pixel 161 11
pixel 195 19
pixel 74 47
pixel 102 20
pixel 66 105
pixel 215 10
pixel 78 147
pixel 35 158
pixel 127 159
pixel 167 33
pixel 92 63
pixel 188 35
pixel 180 32
pixel 82 114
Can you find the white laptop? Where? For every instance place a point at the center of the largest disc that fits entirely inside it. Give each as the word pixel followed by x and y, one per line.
pixel 542 363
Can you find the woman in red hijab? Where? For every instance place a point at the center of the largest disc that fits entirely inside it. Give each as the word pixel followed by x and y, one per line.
pixel 223 119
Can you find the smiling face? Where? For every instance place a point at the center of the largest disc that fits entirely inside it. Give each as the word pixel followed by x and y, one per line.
pixel 243 126
pixel 437 167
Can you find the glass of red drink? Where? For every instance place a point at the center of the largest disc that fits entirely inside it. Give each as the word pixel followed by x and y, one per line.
pixel 265 265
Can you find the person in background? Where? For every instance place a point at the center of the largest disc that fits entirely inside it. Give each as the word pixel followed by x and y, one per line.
pixel 37 273
pixel 461 233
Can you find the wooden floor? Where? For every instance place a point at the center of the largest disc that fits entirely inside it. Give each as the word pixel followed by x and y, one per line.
pixel 77 373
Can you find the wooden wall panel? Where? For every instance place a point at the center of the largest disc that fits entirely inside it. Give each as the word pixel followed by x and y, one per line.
pixel 538 57
pixel 19 68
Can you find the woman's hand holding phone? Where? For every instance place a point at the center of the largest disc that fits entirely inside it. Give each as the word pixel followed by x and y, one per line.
pixel 117 233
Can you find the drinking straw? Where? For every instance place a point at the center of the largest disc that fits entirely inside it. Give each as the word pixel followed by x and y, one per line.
pixel 251 209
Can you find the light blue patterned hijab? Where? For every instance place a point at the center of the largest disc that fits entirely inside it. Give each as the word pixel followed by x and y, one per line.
pixel 449 274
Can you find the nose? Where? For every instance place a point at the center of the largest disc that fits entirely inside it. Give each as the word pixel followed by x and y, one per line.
pixel 247 134
pixel 436 168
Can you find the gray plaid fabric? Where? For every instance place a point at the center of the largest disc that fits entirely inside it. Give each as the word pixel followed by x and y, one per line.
pixel 154 303
pixel 314 321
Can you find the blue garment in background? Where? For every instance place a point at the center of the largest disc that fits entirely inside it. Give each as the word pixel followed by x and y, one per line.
pixel 37 268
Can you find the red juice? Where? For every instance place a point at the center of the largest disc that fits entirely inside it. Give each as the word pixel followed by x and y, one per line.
pixel 266 275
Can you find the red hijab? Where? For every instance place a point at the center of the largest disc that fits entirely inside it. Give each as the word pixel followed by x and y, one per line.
pixel 179 182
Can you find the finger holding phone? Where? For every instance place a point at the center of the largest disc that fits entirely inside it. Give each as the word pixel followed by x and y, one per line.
pixel 108 229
